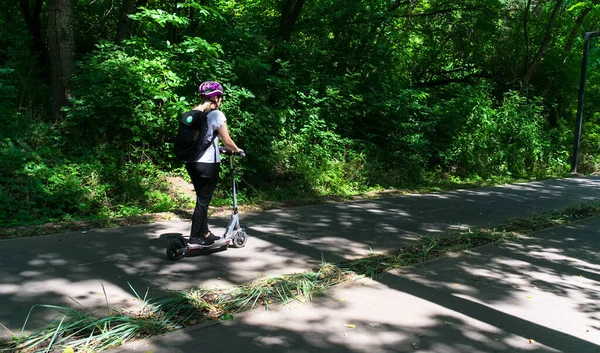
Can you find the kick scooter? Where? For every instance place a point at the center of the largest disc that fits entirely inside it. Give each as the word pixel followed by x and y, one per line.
pixel 235 236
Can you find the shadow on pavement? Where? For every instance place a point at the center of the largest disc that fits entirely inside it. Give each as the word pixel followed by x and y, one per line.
pixel 540 294
pixel 87 270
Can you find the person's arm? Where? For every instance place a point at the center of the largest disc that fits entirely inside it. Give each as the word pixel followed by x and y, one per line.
pixel 227 141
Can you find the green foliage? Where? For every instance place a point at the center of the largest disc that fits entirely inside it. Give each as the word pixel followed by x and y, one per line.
pixel 362 95
pixel 589 159
pixel 313 156
pixel 508 140
pixel 7 105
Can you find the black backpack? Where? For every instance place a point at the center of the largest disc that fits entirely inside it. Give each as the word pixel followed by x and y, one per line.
pixel 190 144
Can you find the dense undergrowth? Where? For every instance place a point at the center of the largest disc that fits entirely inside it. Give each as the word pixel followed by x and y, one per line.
pixel 340 106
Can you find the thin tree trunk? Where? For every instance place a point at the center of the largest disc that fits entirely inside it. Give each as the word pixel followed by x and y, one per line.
pixel 289 16
pixel 124 26
pixel 544 45
pixel 575 29
pixel 526 33
pixel 32 18
pixel 61 45
pixel 125 23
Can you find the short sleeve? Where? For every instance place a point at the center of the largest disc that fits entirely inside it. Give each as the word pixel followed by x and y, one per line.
pixel 216 119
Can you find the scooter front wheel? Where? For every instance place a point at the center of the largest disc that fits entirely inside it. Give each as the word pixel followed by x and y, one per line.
pixel 239 239
pixel 175 250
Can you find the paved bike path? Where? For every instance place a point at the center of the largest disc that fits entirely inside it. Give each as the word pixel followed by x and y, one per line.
pixel 88 270
pixel 540 294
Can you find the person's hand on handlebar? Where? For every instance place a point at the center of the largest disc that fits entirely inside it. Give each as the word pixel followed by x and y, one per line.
pixel 226 151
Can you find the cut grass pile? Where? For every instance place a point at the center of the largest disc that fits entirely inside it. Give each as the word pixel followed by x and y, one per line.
pixel 82 331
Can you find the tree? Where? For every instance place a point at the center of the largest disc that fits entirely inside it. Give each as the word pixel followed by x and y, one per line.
pixel 531 66
pixel 31 13
pixel 61 45
pixel 124 25
pixel 289 16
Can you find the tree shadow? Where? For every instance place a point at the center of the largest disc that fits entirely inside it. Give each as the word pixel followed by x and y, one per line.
pixel 110 264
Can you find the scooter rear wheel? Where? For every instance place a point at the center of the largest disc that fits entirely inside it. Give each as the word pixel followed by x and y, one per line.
pixel 174 250
pixel 239 239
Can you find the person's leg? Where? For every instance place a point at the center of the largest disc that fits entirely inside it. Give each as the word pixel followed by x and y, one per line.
pixel 204 177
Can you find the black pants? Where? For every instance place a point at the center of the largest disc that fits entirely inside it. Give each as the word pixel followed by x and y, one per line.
pixel 204 177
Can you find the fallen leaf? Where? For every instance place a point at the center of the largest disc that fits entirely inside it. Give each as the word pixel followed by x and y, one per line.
pixel 68 350
pixel 219 278
pixel 517 287
pixel 350 325
pixel 449 323
pixel 456 284
pixel 531 341
pixel 342 299
pixel 529 297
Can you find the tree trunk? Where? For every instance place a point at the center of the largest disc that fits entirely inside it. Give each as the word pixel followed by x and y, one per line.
pixel 124 26
pixel 125 23
pixel 575 29
pixel 289 17
pixel 526 33
pixel 32 18
pixel 542 50
pixel 61 45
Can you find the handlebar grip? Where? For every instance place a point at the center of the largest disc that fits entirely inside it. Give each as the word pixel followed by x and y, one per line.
pixel 229 152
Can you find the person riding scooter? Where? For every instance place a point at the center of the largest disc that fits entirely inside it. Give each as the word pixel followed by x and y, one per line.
pixel 204 172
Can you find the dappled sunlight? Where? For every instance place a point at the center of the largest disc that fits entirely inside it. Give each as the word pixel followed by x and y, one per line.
pixel 131 260
pixel 533 285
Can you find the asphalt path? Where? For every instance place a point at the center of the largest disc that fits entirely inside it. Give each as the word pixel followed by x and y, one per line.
pixel 103 269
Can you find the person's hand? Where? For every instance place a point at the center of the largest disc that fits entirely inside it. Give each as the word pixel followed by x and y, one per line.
pixel 241 152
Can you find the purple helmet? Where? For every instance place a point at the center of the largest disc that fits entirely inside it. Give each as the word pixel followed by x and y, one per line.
pixel 210 89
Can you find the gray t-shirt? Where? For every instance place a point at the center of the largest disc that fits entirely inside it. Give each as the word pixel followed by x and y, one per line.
pixel 215 119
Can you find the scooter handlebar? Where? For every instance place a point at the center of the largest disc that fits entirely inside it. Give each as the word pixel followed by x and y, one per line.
pixel 229 152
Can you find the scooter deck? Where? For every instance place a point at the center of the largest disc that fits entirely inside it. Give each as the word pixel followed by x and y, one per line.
pixel 217 244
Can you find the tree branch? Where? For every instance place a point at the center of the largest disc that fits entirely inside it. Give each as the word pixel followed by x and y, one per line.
pixel 542 50
pixel 469 79
pixel 576 28
pixel 425 14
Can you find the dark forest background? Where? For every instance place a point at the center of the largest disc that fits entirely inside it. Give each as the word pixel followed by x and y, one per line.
pixel 328 97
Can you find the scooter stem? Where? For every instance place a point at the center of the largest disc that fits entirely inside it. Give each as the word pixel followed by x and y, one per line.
pixel 231 170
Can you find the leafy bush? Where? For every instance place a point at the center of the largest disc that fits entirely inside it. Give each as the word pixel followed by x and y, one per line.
pixel 589 159
pixel 508 140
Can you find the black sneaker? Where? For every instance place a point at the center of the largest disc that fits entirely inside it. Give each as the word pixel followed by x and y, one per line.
pixel 205 241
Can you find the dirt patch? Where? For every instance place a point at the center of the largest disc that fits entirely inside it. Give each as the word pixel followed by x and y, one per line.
pixel 178 185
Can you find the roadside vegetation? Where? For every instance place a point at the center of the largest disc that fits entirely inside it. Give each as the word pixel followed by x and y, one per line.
pixel 330 99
